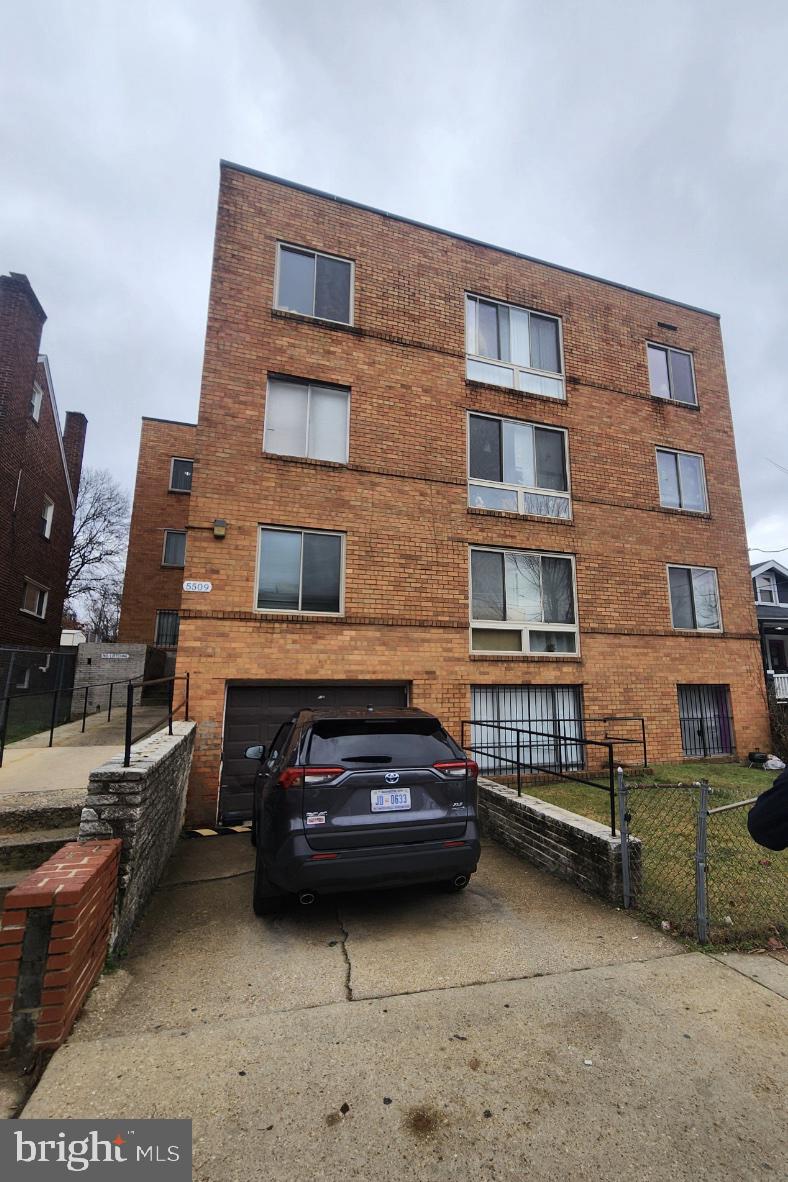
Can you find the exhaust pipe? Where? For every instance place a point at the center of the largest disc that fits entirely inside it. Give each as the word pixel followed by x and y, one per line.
pixel 306 898
pixel 461 880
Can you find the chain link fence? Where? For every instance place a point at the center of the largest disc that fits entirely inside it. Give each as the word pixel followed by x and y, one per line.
pixel 701 874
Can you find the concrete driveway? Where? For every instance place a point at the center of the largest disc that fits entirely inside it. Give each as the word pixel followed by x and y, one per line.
pixel 518 1030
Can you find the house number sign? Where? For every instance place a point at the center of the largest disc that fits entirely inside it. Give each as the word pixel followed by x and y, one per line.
pixel 197 585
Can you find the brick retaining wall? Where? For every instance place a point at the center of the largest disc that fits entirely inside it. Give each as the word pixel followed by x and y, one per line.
pixel 144 806
pixel 572 847
pixel 54 934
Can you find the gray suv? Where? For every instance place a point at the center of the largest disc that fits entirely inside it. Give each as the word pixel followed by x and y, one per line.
pixel 360 799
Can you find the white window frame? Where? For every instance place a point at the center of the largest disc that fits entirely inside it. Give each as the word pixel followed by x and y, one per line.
pixel 324 254
pixel 308 386
pixel 36 402
pixel 165 611
pixel 37 615
pixel 173 565
pixel 696 455
pixel 47 517
pixel 672 349
pixel 693 567
pixel 520 489
pixel 772 580
pixel 524 627
pixel 186 492
pixel 514 367
pixel 298 611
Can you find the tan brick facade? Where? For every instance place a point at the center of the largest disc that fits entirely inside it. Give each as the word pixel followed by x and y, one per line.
pixel 401 500
pixel 150 586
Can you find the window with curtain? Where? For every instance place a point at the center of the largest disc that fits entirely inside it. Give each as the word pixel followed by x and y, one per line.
pixel 314 284
pixel 174 553
pixel 694 598
pixel 682 481
pixel 671 374
pixel 306 419
pixel 514 347
pixel 517 467
pixel 523 601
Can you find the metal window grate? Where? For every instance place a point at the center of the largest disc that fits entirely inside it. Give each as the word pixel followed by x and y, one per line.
pixel 550 710
pixel 705 719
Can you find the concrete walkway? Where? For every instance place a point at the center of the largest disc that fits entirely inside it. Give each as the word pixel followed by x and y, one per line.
pixel 30 765
pixel 516 1031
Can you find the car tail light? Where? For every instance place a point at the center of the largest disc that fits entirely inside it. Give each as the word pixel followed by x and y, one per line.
pixel 458 768
pixel 291 777
pixel 321 775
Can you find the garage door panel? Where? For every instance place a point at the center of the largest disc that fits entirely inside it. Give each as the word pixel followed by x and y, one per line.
pixel 254 713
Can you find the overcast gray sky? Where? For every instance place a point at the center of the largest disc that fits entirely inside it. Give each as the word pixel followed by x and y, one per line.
pixel 643 142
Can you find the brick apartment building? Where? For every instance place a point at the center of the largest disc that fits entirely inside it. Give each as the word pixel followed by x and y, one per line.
pixel 430 470
pixel 157 534
pixel 40 469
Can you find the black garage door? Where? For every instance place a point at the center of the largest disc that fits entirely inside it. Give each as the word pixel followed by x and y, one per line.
pixel 254 713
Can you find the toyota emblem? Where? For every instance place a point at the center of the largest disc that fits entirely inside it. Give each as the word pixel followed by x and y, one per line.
pixel 392 777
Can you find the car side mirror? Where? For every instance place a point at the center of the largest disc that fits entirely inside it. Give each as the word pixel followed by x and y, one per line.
pixel 255 752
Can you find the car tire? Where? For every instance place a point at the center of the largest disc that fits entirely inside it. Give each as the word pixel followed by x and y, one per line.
pixel 266 899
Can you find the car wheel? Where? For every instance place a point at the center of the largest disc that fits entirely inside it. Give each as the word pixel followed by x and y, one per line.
pixel 266 899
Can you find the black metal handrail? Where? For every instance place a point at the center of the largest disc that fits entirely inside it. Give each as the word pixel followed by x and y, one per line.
pixel 559 741
pixel 171 708
pixel 58 695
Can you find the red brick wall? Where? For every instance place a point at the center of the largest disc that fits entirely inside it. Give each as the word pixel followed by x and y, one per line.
pixel 32 448
pixel 402 499
pixel 150 587
pixel 69 900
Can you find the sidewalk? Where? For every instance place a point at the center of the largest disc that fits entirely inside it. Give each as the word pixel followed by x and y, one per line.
pixel 517 1031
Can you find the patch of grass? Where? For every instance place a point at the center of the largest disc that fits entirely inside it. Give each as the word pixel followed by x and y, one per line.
pixel 747 885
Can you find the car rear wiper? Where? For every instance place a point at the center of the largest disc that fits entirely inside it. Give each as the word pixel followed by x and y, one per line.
pixel 365 758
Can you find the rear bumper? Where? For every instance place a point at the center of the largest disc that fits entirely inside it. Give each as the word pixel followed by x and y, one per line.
pixel 297 868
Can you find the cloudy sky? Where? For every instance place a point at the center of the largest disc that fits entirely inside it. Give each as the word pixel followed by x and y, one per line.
pixel 643 142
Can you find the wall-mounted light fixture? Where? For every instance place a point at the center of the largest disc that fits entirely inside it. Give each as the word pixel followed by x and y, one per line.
pixel 219 527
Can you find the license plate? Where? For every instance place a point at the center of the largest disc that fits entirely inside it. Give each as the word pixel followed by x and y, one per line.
pixel 388 800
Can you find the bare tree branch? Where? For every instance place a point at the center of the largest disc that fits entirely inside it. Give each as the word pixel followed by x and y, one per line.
pixel 101 527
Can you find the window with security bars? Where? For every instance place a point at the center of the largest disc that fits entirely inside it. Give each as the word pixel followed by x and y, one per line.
pixel 550 719
pixel 167 623
pixel 705 719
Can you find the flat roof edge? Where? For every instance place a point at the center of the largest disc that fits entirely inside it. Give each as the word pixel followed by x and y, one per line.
pixel 395 217
pixel 173 422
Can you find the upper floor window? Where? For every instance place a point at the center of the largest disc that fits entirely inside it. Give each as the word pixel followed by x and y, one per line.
pixel 314 284
pixel 174 553
pixel 34 599
pixel 694 598
pixel 47 516
pixel 517 467
pixel 682 481
pixel 299 571
pixel 36 398
pixel 671 374
pixel 522 601
pixel 766 589
pixel 167 627
pixel 304 419
pixel 181 475
pixel 510 346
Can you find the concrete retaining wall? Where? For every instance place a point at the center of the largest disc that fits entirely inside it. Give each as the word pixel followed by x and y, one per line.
pixel 144 805
pixel 572 847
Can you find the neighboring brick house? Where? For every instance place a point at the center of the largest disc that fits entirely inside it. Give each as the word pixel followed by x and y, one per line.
pixel 39 476
pixel 431 470
pixel 157 536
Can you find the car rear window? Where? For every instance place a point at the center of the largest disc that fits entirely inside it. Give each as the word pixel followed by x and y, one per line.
pixel 379 743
